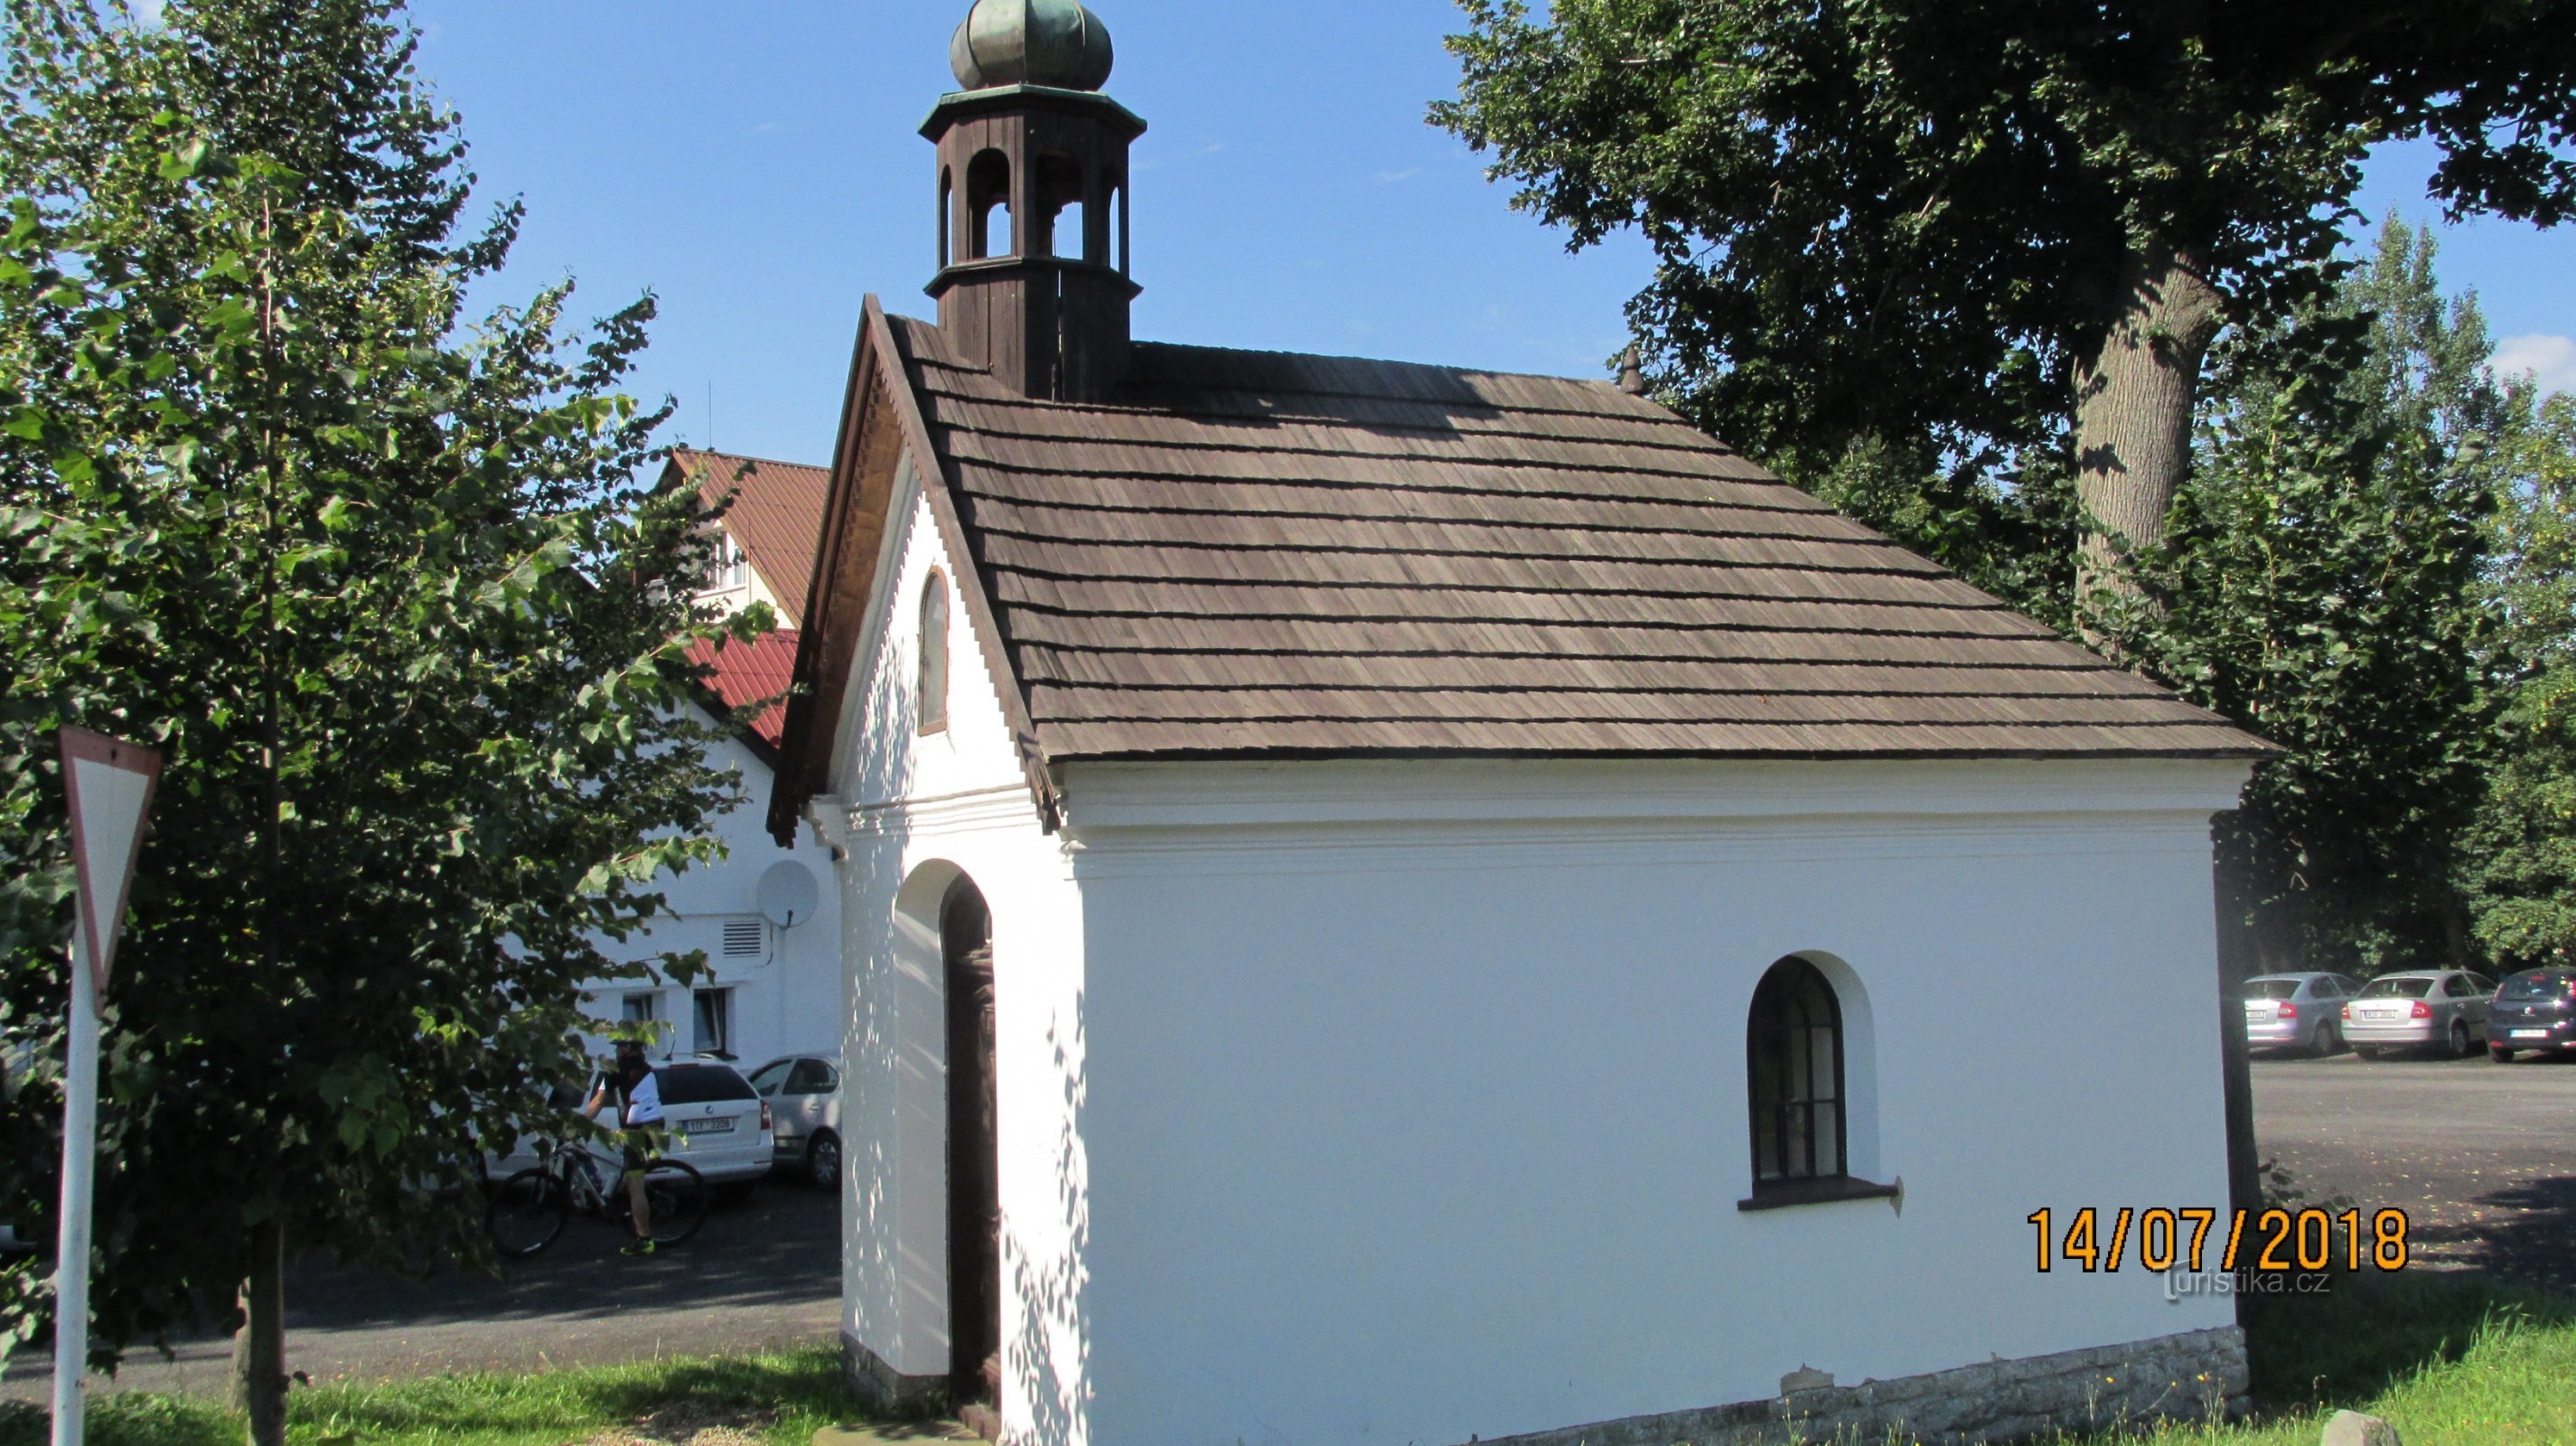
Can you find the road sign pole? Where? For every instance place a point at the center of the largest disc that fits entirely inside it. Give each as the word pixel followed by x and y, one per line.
pixel 80 1155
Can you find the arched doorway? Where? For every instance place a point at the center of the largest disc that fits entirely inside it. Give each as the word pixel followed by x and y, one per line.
pixel 974 1160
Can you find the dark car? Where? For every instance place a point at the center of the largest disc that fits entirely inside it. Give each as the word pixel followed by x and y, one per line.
pixel 2535 1009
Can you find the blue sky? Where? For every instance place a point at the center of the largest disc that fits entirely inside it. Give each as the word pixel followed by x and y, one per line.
pixel 756 164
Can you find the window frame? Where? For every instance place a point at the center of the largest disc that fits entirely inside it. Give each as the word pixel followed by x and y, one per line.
pixel 1769 1013
pixel 931 666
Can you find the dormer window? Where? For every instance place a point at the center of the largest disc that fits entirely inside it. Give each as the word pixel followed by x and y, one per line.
pixel 931 689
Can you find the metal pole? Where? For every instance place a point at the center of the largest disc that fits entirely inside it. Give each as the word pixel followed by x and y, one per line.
pixel 80 1152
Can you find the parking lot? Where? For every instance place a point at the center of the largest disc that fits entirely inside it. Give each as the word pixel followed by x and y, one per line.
pixel 762 1273
pixel 2481 1156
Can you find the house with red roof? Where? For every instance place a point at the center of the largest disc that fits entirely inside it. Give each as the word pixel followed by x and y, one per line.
pixel 775 987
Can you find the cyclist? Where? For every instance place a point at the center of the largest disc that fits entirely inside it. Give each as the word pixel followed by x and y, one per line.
pixel 639 1111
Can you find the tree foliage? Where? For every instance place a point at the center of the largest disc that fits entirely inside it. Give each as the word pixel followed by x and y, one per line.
pixel 378 583
pixel 2325 585
pixel 1948 236
pixel 2521 854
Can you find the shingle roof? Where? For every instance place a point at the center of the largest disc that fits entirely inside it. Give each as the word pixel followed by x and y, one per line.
pixel 1258 553
pixel 777 517
pixel 742 674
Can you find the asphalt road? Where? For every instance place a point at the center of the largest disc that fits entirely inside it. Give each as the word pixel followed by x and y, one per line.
pixel 763 1273
pixel 2481 1156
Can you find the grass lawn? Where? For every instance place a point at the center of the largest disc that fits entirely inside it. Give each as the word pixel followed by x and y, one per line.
pixel 2450 1360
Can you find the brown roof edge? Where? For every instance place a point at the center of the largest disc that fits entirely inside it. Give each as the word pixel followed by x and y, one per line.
pixel 938 487
pixel 880 420
pixel 813 711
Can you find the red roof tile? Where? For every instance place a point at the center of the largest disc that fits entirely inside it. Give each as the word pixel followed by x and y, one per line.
pixel 745 673
pixel 777 517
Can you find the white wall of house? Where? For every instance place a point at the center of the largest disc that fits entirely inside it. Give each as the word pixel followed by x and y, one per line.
pixel 1416 1095
pixel 915 811
pixel 781 988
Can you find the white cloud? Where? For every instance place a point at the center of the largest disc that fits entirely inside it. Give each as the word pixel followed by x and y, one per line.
pixel 1389 178
pixel 2551 359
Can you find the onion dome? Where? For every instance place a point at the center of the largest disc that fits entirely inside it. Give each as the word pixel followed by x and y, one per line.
pixel 1057 43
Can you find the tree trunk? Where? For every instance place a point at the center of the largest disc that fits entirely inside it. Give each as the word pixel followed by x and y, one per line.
pixel 2133 410
pixel 259 1347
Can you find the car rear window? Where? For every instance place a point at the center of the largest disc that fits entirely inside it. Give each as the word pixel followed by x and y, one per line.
pixel 2537 986
pixel 2396 989
pixel 696 1084
pixel 2271 988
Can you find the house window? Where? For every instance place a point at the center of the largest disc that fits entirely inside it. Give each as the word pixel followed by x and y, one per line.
pixel 640 1008
pixel 714 1020
pixel 933 683
pixel 1793 1053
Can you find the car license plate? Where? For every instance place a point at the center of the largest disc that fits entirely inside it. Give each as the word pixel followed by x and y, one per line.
pixel 706 1127
pixel 2380 1013
pixel 2531 1034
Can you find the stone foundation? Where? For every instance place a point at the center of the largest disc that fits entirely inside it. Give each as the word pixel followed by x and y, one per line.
pixel 2181 1376
pixel 882 1386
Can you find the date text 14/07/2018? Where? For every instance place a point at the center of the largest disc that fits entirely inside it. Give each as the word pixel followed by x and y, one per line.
pixel 2275 1241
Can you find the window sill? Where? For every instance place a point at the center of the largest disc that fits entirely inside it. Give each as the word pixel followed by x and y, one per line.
pixel 1818 1192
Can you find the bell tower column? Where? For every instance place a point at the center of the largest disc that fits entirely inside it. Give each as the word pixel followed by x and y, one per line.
pixel 1041 303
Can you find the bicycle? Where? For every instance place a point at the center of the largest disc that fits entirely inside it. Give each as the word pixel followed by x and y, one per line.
pixel 528 1209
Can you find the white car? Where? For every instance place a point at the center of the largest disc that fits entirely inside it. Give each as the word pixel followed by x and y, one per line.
pixel 2297 1011
pixel 2444 1009
pixel 715 1120
pixel 804 1095
pixel 711 1117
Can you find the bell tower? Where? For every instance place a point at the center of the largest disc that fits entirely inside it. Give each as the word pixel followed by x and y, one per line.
pixel 1033 186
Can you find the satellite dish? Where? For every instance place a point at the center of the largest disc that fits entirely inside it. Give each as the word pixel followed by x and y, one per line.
pixel 788 893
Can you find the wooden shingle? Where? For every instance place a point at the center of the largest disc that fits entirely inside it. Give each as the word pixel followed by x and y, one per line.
pixel 1260 554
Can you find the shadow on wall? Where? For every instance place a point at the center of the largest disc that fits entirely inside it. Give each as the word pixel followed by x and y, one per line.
pixel 897 1160
pixel 1052 1350
pixel 882 758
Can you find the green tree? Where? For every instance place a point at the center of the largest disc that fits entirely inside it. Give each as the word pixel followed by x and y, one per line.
pixel 2325 584
pixel 1965 234
pixel 379 583
pixel 2521 854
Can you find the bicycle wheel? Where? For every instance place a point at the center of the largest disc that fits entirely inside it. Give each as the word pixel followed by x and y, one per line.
pixel 677 1198
pixel 526 1212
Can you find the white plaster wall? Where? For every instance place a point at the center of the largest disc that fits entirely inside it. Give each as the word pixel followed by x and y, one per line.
pixel 914 812
pixel 786 999
pixel 1416 1100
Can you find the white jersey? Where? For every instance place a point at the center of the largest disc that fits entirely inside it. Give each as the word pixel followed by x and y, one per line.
pixel 644 1102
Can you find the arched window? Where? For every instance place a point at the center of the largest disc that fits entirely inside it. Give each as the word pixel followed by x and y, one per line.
pixel 1797 1091
pixel 988 189
pixel 932 689
pixel 1118 204
pixel 1060 227
pixel 1793 1049
pixel 947 200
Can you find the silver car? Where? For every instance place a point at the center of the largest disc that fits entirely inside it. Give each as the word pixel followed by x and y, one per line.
pixel 2442 1008
pixel 2301 1012
pixel 803 1092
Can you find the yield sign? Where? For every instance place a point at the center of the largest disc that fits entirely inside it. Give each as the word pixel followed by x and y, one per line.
pixel 110 784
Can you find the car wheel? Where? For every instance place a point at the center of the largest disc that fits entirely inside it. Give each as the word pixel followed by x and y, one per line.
pixel 2326 1041
pixel 2459 1040
pixel 823 1161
